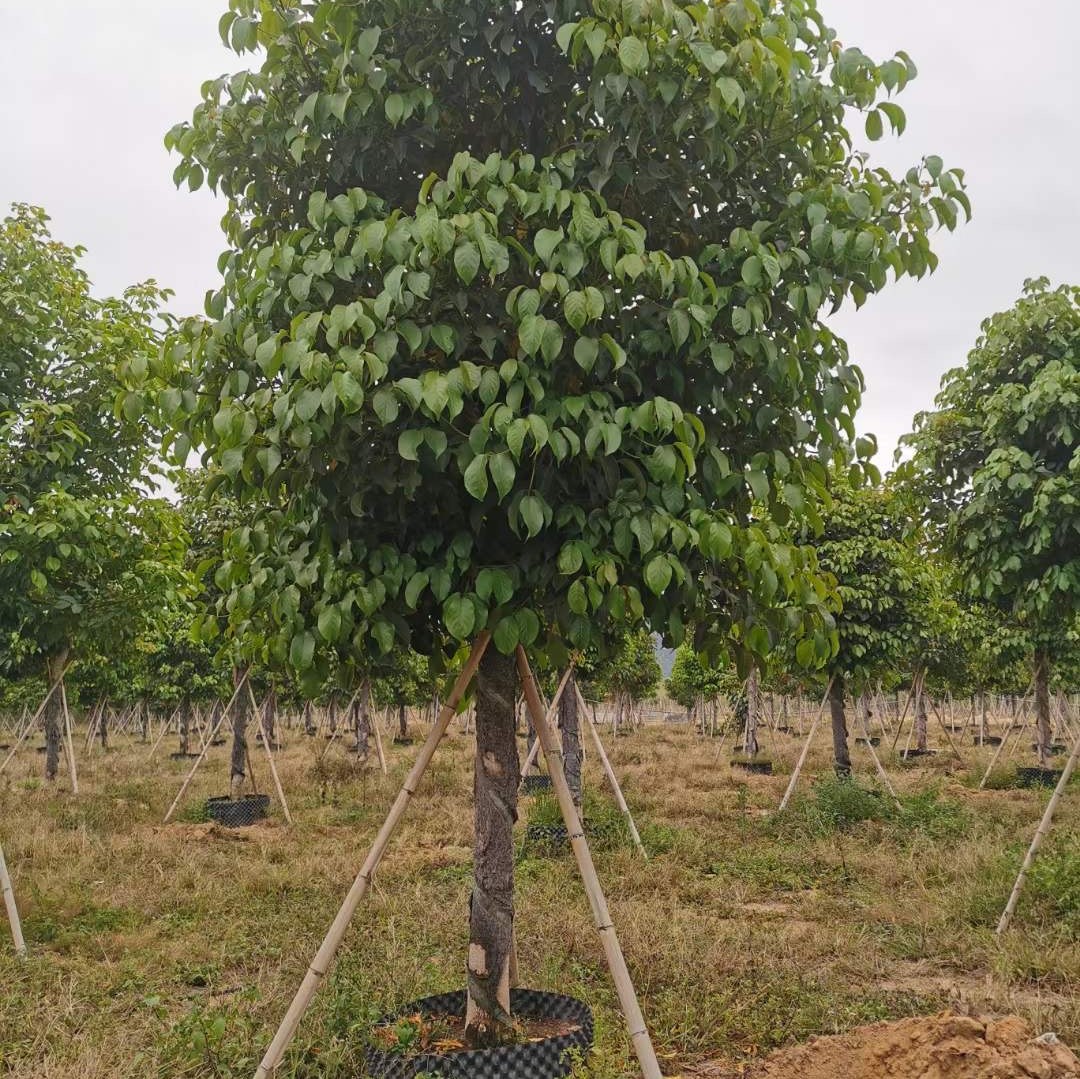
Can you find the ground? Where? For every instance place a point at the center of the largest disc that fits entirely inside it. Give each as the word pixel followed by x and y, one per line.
pixel 174 950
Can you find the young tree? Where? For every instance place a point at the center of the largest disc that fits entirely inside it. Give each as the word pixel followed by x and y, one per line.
pixel 629 672
pixel 998 462
pixel 520 315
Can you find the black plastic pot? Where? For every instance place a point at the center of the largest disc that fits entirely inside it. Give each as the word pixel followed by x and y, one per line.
pixel 557 833
pixel 550 1058
pixel 1038 777
pixel 403 741
pixel 873 740
pixel 536 781
pixel 183 756
pixel 990 740
pixel 757 768
pixel 4 745
pixel 219 741
pixel 239 813
pixel 911 754
pixel 1055 749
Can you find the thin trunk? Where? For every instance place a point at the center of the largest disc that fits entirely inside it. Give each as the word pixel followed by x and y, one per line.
pixel 185 726
pixel 103 725
pixel 362 722
pixel 54 713
pixel 491 907
pixel 530 741
pixel 982 716
pixel 144 721
pixel 753 713
pixel 1042 706
pixel 841 752
pixel 309 718
pixel 571 739
pixel 269 719
pixel 920 716
pixel 238 761
pixel 402 723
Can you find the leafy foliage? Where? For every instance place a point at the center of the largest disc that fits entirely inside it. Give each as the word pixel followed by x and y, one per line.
pixel 695 676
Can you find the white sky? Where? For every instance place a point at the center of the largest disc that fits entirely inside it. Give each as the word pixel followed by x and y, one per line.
pixel 89 87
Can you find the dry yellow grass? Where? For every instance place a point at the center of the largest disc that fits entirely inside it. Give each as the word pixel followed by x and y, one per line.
pixel 174 950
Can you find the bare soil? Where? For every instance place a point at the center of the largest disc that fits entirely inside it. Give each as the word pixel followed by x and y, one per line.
pixel 945 1046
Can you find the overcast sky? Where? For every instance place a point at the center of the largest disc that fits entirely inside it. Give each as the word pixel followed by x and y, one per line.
pixel 89 87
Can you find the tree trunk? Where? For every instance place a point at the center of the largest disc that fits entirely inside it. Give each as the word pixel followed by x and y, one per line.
pixel 103 724
pixel 402 723
pixel 753 713
pixel 982 716
pixel 1042 706
pixel 332 713
pixel 238 761
pixel 309 718
pixel 569 722
pixel 920 717
pixel 54 712
pixel 185 726
pixel 362 722
pixel 841 752
pixel 268 722
pixel 144 721
pixel 491 907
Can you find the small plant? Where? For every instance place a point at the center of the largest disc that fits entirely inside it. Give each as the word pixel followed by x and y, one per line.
pixel 1055 881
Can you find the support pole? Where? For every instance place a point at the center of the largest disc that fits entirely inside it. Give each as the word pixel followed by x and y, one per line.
pixel 164 729
pixel 329 947
pixel 36 716
pixel 12 910
pixel 206 747
pixel 269 753
pixel 1040 834
pixel 635 1021
pixel 613 782
pixel 67 739
pixel 805 749
pixel 378 741
pixel 997 753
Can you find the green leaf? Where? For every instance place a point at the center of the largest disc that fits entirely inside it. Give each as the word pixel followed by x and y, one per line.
pixel 874 127
pixel 586 349
pixel 409 443
pixel 395 108
pixel 330 624
pixel 506 635
pixel 751 272
pixel 459 616
pixel 633 55
pixel 467 261
pixel 545 242
pixel 476 480
pixel 576 310
pixel 658 574
pixel 532 513
pixel 302 651
pixel 502 472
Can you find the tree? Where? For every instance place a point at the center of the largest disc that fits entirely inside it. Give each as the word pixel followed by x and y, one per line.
pixel 998 459
pixel 521 313
pixel 629 672
pixel 83 556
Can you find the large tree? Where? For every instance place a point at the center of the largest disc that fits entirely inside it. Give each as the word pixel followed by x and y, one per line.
pixel 85 556
pixel 999 460
pixel 521 312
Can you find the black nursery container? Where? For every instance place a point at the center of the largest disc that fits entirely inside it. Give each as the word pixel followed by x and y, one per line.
pixel 549 1058
pixel 1038 777
pixel 911 754
pixel 757 768
pixel 536 781
pixel 239 813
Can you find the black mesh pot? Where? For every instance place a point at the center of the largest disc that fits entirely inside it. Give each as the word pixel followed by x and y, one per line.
pixel 873 740
pixel 911 754
pixel 557 833
pixel 535 781
pixel 1055 749
pixel 757 768
pixel 1038 777
pixel 990 740
pixel 183 756
pixel 550 1058
pixel 239 813
pixel 403 741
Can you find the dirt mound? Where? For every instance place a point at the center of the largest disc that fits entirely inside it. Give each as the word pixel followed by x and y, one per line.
pixel 945 1046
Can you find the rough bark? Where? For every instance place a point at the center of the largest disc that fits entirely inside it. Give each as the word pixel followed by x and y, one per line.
pixel 309 718
pixel 185 725
pixel 921 724
pixel 269 719
pixel 569 722
pixel 1042 707
pixel 103 724
pixel 402 723
pixel 491 907
pixel 238 760
pixel 753 713
pixel 841 752
pixel 54 713
pixel 362 722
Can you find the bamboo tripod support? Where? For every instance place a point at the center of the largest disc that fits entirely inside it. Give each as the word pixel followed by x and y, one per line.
pixel 1040 834
pixel 550 718
pixel 628 1002
pixel 164 730
pixel 269 753
pixel 206 747
pixel 12 910
pixel 73 773
pixel 33 721
pixel 319 966
pixel 613 781
pixel 806 748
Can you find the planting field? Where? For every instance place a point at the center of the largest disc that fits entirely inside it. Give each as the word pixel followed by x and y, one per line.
pixel 174 950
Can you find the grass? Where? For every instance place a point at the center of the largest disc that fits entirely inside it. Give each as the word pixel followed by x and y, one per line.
pixel 173 951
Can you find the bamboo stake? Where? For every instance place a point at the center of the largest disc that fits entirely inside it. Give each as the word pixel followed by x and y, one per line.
pixel 332 941
pixel 269 753
pixel 206 747
pixel 12 910
pixel 1040 834
pixel 550 716
pixel 884 776
pixel 36 716
pixel 67 739
pixel 948 735
pixel 806 748
pixel 635 1021
pixel 378 741
pixel 613 782
pixel 997 753
pixel 345 716
pixel 902 716
pixel 164 727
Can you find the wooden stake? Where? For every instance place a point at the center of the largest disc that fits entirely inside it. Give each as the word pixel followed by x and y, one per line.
pixel 805 749
pixel 332 941
pixel 269 753
pixel 36 716
pixel 613 782
pixel 550 718
pixel 12 910
pixel 378 741
pixel 1040 834
pixel 164 727
pixel 635 1021
pixel 206 746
